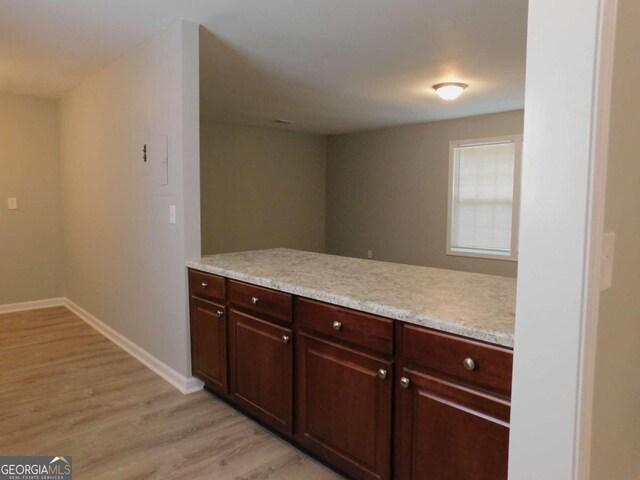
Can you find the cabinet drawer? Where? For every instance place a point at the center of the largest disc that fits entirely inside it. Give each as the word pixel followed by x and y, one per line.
pixel 205 285
pixel 357 328
pixel 262 301
pixel 487 366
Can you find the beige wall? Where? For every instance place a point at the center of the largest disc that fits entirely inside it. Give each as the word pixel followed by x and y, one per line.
pixel 31 253
pixel 616 413
pixel 387 191
pixel 125 262
pixel 261 188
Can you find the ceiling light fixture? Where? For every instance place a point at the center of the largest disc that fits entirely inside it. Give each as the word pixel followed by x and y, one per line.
pixel 449 90
pixel 283 121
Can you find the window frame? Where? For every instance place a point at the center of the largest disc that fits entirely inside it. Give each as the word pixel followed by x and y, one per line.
pixel 515 209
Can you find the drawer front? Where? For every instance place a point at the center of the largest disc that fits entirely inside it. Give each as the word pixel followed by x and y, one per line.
pixel 344 325
pixel 206 285
pixel 262 301
pixel 474 363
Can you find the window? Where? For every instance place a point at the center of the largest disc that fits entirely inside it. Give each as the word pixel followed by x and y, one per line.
pixel 483 197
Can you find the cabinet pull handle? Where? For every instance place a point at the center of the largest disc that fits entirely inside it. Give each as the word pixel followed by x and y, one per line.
pixel 405 382
pixel 337 326
pixel 220 313
pixel 285 338
pixel 204 284
pixel 382 373
pixel 469 364
pixel 255 300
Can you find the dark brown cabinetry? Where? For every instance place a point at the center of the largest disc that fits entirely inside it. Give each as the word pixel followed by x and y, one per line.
pixel 448 357
pixel 344 407
pixel 364 386
pixel 447 432
pixel 261 369
pixel 358 329
pixel 205 285
pixel 209 344
pixel 452 407
pixel 209 329
pixel 264 302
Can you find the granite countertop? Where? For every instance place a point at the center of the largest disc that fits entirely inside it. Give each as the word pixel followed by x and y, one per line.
pixel 473 305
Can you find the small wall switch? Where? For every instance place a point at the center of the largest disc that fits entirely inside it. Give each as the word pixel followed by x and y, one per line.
pixel 12 203
pixel 369 253
pixel 606 269
pixel 172 214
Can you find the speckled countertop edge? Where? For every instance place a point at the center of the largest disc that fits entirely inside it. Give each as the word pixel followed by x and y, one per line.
pixel 463 328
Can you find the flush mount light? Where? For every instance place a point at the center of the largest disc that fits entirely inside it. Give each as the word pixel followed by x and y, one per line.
pixel 449 90
pixel 283 121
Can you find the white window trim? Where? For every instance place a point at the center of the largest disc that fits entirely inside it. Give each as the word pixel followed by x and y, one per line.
pixel 515 222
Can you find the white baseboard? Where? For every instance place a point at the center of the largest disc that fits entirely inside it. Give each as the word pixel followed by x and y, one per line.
pixel 185 384
pixel 19 307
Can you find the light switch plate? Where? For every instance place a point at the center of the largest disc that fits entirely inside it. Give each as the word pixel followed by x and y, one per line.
pixel 172 214
pixel 12 203
pixel 606 268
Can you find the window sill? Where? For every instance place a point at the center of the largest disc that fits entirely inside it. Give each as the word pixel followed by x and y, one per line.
pixel 480 254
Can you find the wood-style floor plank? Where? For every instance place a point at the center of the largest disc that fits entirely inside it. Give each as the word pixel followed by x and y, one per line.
pixel 67 390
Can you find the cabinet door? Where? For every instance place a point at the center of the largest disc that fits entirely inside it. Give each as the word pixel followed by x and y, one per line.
pixel 446 432
pixel 344 407
pixel 262 369
pixel 209 344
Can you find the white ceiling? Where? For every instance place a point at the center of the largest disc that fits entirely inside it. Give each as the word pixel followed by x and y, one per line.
pixel 329 65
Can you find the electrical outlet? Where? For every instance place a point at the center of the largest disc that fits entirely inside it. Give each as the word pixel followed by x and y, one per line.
pixel 369 253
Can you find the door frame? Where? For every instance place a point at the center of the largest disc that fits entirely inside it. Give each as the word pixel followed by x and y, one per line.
pixel 566 134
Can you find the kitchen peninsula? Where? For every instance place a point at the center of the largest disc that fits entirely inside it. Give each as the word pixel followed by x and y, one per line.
pixel 382 370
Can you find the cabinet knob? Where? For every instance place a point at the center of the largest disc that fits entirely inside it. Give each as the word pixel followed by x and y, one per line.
pixel 220 313
pixel 255 300
pixel 405 382
pixel 382 373
pixel 469 364
pixel 204 284
pixel 285 338
pixel 337 326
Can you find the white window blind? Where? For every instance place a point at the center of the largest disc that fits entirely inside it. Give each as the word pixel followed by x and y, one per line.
pixel 481 217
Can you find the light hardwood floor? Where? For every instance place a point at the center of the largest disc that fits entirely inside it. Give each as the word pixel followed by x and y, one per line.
pixel 66 390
